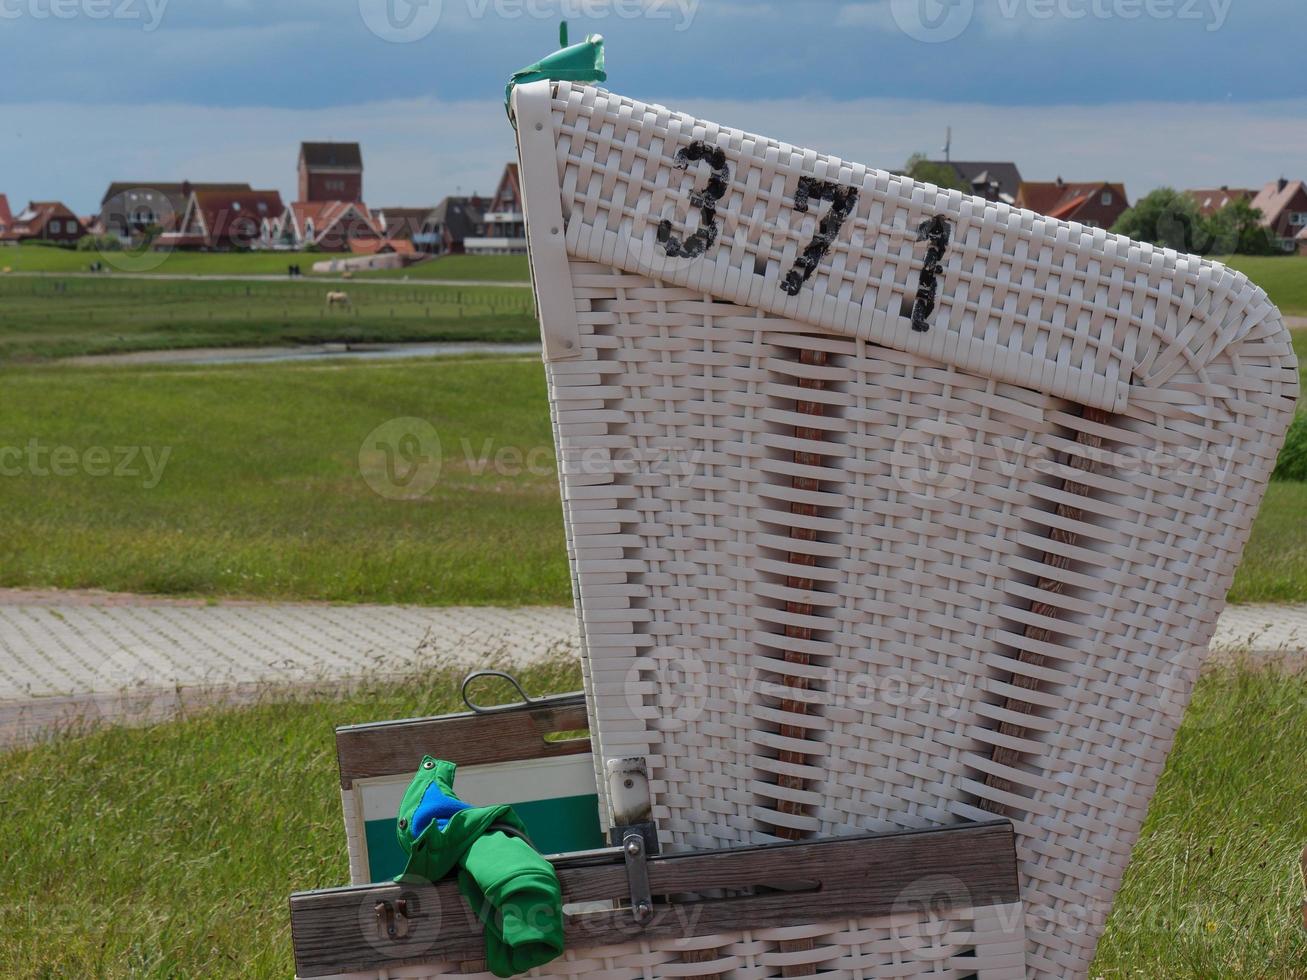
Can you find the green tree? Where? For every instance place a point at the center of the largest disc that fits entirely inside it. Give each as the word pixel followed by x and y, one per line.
pixel 1237 229
pixel 1167 218
pixel 933 172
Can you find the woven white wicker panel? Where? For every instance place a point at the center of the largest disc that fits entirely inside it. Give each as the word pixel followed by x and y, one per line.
pixel 985 943
pixel 836 573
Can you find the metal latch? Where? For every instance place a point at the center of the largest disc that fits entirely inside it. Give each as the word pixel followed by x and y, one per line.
pixel 637 877
pixel 632 802
pixel 634 830
pixel 392 920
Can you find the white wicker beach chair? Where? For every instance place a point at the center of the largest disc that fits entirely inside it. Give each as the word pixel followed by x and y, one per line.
pixel 887 506
pixel 888 509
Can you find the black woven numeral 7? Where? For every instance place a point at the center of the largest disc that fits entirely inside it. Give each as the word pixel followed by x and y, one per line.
pixel 705 199
pixel 842 201
pixel 936 233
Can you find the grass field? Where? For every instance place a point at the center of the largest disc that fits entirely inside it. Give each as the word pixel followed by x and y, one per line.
pixel 1274 567
pixel 483 268
pixel 59 317
pixel 170 851
pixel 44 258
pixel 264 491
pixel 1283 277
pixel 265 494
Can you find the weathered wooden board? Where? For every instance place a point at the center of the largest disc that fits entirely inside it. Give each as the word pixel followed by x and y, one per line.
pixel 336 930
pixel 391 747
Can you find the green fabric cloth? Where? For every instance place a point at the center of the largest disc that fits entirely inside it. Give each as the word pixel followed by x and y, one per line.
pixel 511 888
pixel 583 62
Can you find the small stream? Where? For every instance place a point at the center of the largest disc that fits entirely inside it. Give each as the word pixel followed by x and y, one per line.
pixel 311 352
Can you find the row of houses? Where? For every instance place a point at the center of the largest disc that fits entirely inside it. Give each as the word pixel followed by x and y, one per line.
pixel 1283 204
pixel 1098 204
pixel 330 215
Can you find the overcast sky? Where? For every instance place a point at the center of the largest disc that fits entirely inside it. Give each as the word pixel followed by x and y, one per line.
pixel 1186 92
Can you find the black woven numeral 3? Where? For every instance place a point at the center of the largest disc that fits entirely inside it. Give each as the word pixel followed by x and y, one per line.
pixel 842 201
pixel 704 198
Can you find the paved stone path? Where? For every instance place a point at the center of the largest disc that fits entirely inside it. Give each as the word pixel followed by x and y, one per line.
pixel 107 658
pixel 69 658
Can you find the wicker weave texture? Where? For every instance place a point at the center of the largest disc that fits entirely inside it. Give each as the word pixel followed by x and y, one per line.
pixel 985 943
pixel 836 574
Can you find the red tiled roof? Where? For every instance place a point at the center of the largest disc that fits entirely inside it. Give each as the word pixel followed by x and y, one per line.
pixel 510 181
pixel 32 220
pixel 1065 209
pixel 327 216
pixel 178 189
pixel 1272 199
pixel 1213 199
pixel 1059 199
pixel 372 246
pixel 224 217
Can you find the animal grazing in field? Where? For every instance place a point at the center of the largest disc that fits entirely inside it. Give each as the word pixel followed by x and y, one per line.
pixel 337 298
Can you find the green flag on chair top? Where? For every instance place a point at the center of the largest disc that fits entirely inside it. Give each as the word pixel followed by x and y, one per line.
pixel 583 62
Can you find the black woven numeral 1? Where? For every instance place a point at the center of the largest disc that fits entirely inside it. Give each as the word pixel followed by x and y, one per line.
pixel 842 201
pixel 704 198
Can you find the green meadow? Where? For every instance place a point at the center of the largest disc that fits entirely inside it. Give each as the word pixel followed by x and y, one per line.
pixel 269 486
pixel 52 260
pixel 51 317
pixel 170 851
